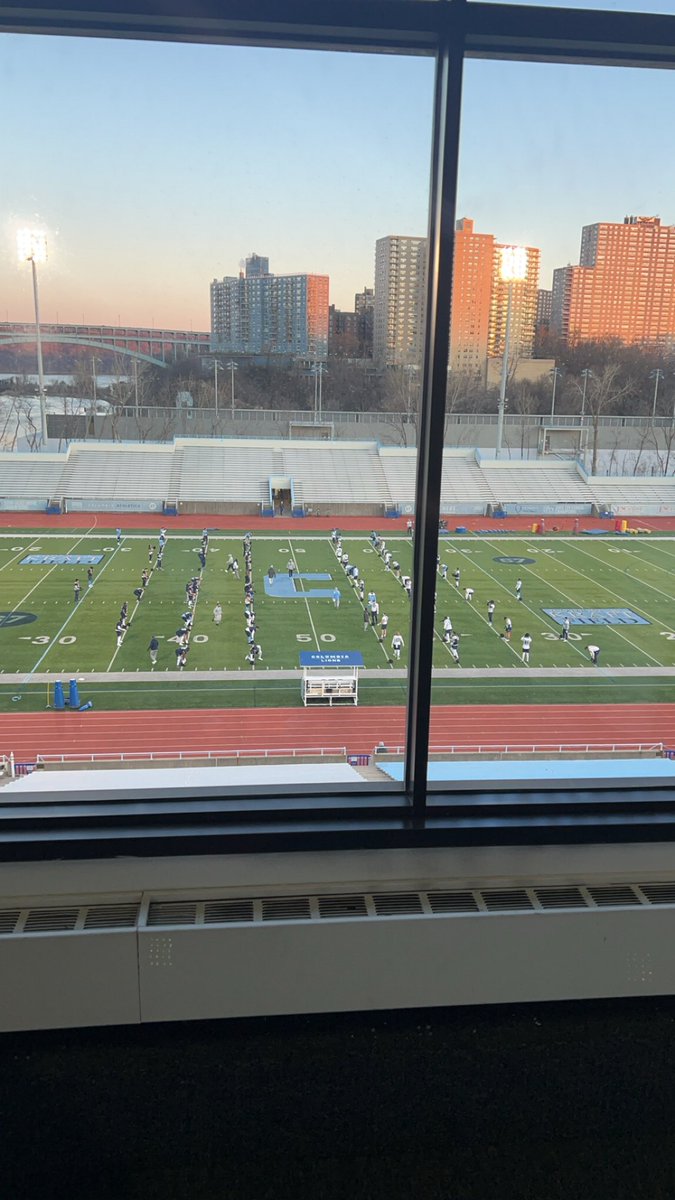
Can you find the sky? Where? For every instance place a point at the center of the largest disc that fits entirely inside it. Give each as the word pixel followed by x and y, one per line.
pixel 156 167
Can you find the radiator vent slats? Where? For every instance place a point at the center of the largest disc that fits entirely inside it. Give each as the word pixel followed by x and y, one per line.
pixel 221 912
pixel 343 906
pixel 286 908
pixel 560 897
pixel 480 902
pixel 111 916
pixel 8 919
pixel 659 893
pixel 51 920
pixel 509 900
pixel 171 912
pixel 397 904
pixel 614 896
pixel 453 902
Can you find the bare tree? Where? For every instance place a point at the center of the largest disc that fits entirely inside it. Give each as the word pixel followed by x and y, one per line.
pixel 402 387
pixel 604 390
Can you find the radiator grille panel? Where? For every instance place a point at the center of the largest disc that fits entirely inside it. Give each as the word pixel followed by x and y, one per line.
pixel 480 902
pixel 170 912
pixel 615 896
pixel 111 916
pixel 343 906
pixel 221 912
pixel 50 920
pixel 561 897
pixel 8 919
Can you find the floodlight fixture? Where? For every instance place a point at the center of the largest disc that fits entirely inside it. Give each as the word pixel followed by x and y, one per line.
pixel 31 245
pixel 513 264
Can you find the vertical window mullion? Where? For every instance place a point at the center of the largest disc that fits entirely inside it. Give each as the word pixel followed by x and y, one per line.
pixel 442 204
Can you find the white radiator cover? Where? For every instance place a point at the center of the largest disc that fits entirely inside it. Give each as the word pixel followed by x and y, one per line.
pixel 404 962
pixel 211 953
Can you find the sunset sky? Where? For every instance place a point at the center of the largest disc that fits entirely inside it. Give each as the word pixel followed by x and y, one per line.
pixel 155 167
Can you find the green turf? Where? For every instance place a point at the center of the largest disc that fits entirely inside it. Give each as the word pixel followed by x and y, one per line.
pixel 68 639
pixel 286 693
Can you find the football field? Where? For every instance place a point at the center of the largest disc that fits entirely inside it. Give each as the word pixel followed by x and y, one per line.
pixel 619 594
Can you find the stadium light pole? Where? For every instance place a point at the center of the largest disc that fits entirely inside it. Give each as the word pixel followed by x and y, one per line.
pixel 512 269
pixel 232 367
pixel 31 245
pixel 585 375
pixel 317 370
pixel 555 372
pixel 95 382
pixel 657 376
pixel 216 368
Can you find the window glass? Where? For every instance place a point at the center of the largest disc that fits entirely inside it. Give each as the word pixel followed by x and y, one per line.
pixel 555 589
pixel 225 244
pixel 664 7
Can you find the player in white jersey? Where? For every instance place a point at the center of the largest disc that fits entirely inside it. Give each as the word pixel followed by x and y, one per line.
pixel 397 645
pixel 526 643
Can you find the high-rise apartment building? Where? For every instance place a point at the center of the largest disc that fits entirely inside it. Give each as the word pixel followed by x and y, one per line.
pixel 624 286
pixel 399 292
pixel 472 285
pixel 259 313
pixel 364 307
pixel 523 308
pixel 479 301
pixel 544 304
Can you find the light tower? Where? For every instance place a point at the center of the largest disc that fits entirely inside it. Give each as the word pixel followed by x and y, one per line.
pixel 512 269
pixel 31 246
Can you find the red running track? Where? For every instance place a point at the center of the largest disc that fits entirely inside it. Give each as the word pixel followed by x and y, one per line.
pixel 359 730
pixel 224 521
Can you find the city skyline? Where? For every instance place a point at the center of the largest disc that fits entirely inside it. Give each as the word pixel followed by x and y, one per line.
pixel 148 192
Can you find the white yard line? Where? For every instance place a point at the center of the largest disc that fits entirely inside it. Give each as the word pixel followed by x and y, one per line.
pixel 457 592
pixel 575 604
pixel 43 577
pixel 383 648
pixel 290 545
pixel 138 603
pixel 506 641
pixel 75 609
pixel 641 583
pixel 26 550
pixel 520 604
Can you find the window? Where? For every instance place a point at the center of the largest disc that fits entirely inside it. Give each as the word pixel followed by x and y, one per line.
pixel 336 204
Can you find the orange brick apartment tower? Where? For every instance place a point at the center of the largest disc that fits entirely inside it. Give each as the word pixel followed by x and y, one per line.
pixel 624 286
pixel 524 313
pixel 472 285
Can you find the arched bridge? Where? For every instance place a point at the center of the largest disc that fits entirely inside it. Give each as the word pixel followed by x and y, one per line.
pixel 16 339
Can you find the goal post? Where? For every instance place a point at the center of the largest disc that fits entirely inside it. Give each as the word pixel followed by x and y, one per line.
pixel 562 442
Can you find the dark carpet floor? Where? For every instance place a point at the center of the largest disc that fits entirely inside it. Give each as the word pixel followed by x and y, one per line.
pixel 545 1102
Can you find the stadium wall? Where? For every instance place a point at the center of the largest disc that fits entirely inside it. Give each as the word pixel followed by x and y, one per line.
pixel 643 510
pixel 561 509
pixel 16 504
pixel 113 506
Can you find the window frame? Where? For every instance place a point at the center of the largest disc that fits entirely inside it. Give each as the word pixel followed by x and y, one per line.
pixel 417 813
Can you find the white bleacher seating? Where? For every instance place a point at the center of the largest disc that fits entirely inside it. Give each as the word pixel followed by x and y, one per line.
pixel 615 490
pixel 324 474
pixel 226 472
pixel 30 476
pixel 462 482
pixel 336 472
pixel 113 472
pixel 537 483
